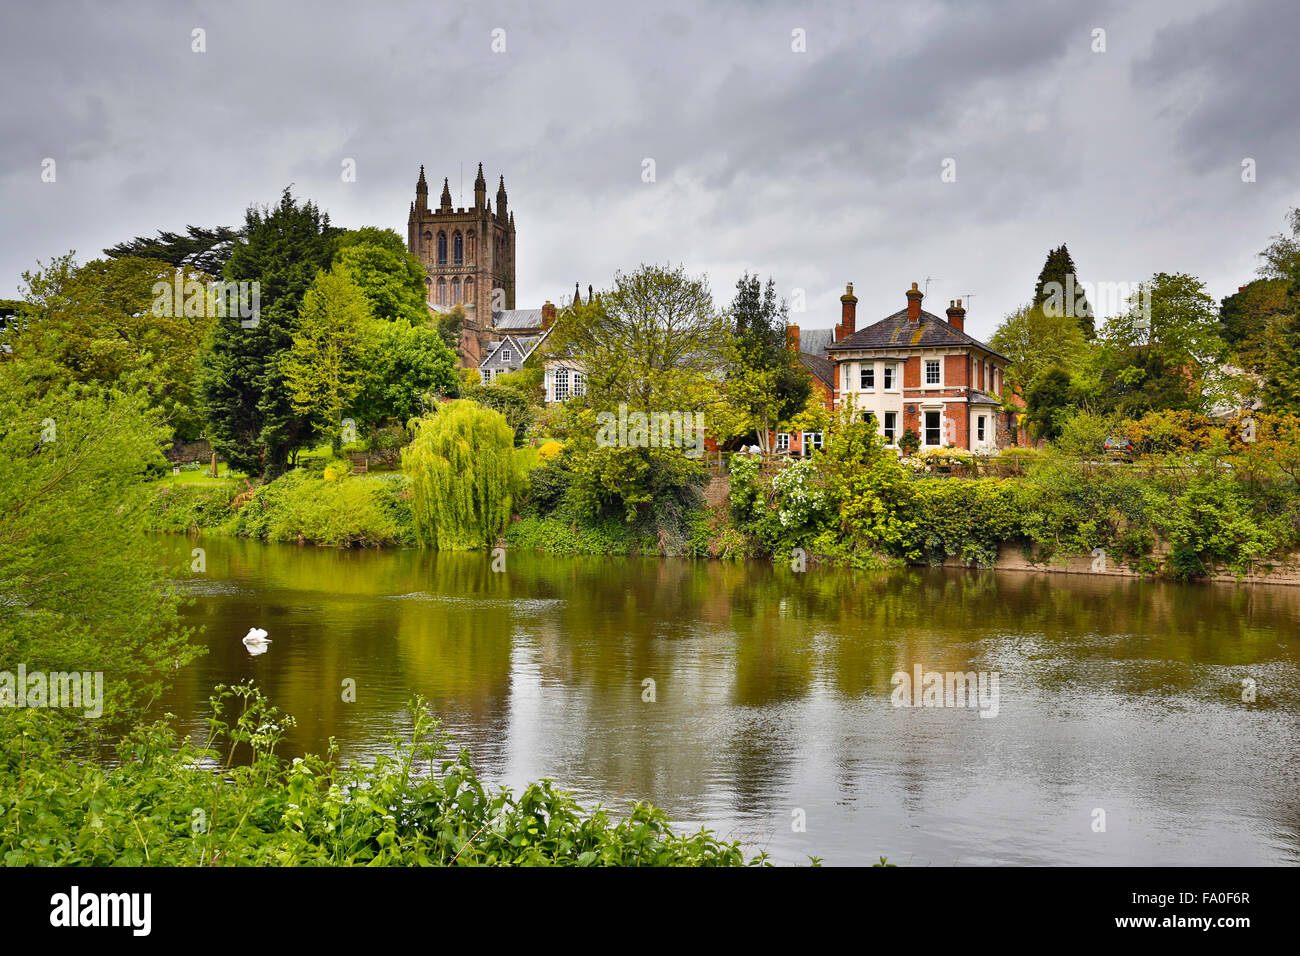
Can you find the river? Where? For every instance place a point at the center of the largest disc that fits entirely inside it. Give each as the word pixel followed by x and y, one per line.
pixel 761 702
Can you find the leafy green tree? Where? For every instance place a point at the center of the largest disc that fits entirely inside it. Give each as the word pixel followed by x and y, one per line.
pixel 392 281
pixel 371 236
pixel 654 341
pixel 1035 341
pixel 509 401
pixel 200 248
pixel 81 587
pixel 324 366
pixel 1049 397
pixel 627 481
pixel 767 382
pixel 1250 318
pixel 465 476
pixel 1164 352
pixel 404 363
pixel 450 324
pixel 246 403
pixel 867 487
pixel 105 323
pixel 1282 361
pixel 1059 293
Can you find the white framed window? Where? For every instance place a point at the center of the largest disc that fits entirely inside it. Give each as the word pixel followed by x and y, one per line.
pixel 486 375
pixel 891 427
pixel 979 429
pixel 783 441
pixel 891 377
pixel 934 429
pixel 579 384
pixel 505 355
pixel 561 384
pixel 811 440
pixel 867 376
pixel 933 372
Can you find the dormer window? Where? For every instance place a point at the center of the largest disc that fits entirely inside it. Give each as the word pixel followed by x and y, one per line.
pixel 505 355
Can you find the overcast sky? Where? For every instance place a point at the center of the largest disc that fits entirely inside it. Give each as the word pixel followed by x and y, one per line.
pixel 817 168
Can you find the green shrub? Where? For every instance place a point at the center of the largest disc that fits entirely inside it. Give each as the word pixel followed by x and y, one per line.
pixel 168 802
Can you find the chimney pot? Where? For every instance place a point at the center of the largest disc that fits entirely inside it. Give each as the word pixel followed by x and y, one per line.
pixel 957 315
pixel 848 314
pixel 914 297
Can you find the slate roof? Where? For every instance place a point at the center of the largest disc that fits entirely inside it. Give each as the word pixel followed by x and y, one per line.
pixel 976 397
pixel 815 341
pixel 517 320
pixel 896 333
pixel 820 366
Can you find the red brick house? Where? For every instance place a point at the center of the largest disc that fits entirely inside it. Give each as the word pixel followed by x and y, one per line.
pixel 914 370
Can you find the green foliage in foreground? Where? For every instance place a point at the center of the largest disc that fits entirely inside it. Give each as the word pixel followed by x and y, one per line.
pixel 81 588
pixel 235 802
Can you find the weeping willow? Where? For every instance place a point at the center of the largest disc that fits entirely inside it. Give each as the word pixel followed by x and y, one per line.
pixel 465 473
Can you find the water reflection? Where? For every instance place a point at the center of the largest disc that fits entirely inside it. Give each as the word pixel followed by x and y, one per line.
pixel 772 694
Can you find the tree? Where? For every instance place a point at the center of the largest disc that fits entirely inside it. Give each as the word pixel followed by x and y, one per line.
pixel 324 366
pixel 866 484
pixel 1048 397
pixel 201 249
pixel 465 476
pixel 81 586
pixel 250 416
pixel 1250 318
pixel 106 323
pixel 1036 341
pixel 1058 291
pixel 404 363
pixel 766 383
pixel 450 324
pixel 654 341
pixel 1164 352
pixel 510 402
pixel 1282 364
pixel 392 281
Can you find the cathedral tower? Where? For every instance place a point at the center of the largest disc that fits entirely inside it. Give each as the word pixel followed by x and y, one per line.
pixel 467 254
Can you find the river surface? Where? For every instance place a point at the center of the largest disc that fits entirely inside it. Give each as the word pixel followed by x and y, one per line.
pixel 1118 733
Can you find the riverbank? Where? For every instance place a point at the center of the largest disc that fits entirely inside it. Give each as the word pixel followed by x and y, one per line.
pixel 1076 525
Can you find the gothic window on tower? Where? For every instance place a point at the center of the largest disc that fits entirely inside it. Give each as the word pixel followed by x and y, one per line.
pixel 469 247
pixel 442 248
pixel 469 289
pixel 458 248
pixel 455 291
pixel 442 292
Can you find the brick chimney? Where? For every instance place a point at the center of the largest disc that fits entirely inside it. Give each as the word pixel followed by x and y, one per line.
pixel 792 338
pixel 914 297
pixel 848 314
pixel 957 316
pixel 548 314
